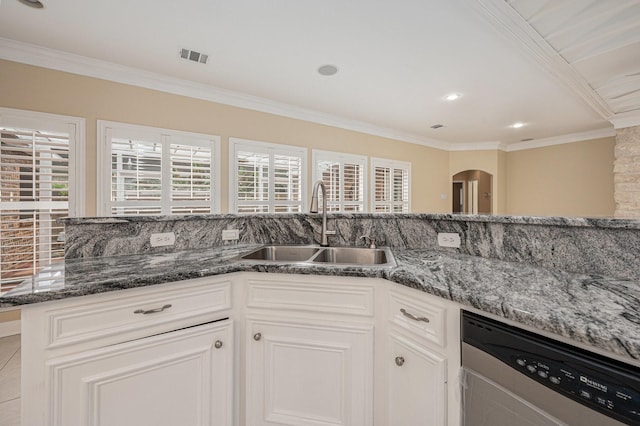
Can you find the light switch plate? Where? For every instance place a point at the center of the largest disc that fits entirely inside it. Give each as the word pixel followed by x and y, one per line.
pixel 449 239
pixel 163 239
pixel 230 234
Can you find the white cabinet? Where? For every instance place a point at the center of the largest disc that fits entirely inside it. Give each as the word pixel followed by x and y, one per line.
pixel 422 360
pixel 158 355
pixel 242 349
pixel 417 384
pixel 309 351
pixel 178 378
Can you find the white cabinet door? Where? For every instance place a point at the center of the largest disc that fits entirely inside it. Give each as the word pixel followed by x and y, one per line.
pixel 179 378
pixel 417 388
pixel 304 374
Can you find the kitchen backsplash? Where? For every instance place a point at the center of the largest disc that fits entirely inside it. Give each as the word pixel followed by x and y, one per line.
pixel 608 247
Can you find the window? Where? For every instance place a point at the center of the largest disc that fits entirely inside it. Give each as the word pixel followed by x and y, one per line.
pixel 266 178
pixel 344 179
pixel 147 171
pixel 40 182
pixel 391 186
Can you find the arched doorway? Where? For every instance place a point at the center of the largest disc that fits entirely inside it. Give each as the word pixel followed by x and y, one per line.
pixel 472 192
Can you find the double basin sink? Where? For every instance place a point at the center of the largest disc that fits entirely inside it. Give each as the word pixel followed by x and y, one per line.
pixel 316 255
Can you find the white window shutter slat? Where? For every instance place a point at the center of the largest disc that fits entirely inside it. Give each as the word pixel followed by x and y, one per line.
pixel 267 178
pixel 34 193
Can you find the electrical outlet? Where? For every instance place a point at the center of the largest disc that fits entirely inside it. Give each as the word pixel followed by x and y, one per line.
pixel 448 239
pixel 164 239
pixel 230 234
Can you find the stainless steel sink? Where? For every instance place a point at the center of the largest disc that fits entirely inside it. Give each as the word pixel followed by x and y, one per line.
pixel 315 255
pixel 282 253
pixel 353 256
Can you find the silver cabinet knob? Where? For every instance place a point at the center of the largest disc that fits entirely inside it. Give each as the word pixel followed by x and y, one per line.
pixel 399 361
pixel 218 344
pixel 257 336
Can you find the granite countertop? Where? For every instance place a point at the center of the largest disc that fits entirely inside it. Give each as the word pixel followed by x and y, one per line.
pixel 594 310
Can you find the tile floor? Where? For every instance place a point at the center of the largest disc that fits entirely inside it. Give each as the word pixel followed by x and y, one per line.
pixel 10 380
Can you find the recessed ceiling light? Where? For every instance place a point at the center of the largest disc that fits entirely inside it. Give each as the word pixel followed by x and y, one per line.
pixel 517 125
pixel 452 96
pixel 327 70
pixel 32 3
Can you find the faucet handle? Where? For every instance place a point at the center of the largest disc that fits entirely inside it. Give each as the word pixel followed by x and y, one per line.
pixel 372 241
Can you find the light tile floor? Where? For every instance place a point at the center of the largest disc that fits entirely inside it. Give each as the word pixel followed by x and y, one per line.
pixel 10 380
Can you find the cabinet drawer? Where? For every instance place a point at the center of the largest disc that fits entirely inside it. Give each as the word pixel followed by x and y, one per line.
pixel 416 314
pixel 311 294
pixel 125 314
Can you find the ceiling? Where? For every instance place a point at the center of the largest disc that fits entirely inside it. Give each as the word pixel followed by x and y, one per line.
pixel 561 67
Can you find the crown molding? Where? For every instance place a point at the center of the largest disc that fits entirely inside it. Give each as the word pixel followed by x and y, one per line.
pixel 477 146
pixel 514 27
pixel 67 62
pixel 625 119
pixel 62 61
pixel 559 140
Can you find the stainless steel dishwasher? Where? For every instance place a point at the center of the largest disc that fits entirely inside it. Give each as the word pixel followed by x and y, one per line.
pixel 514 377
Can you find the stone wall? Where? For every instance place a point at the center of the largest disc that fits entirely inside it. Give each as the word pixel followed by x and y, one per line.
pixel 627 173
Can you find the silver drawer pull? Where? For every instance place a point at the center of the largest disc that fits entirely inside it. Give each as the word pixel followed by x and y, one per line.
pixel 151 311
pixel 218 344
pixel 399 361
pixel 413 317
pixel 257 336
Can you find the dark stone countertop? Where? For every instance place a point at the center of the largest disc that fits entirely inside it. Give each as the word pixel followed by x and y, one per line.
pixel 598 311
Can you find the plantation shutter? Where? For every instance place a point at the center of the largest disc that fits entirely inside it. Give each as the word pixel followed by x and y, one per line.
pixel 252 179
pixel 153 171
pixel 34 193
pixel 191 179
pixel 343 177
pixel 391 186
pixel 136 177
pixel 287 183
pixel 267 178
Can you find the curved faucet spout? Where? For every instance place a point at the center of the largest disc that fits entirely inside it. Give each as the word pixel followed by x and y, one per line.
pixel 314 209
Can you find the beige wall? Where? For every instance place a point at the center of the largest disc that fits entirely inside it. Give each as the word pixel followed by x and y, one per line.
pixel 571 179
pixel 489 161
pixel 574 179
pixel 12 315
pixel 38 89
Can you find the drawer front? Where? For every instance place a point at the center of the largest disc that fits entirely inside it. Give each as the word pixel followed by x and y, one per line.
pixel 423 318
pixel 319 295
pixel 150 310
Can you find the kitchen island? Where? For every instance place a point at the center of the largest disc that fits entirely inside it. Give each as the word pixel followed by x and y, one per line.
pixel 601 312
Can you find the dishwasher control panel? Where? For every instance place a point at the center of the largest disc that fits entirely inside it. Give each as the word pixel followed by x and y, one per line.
pixel 584 387
pixel 603 384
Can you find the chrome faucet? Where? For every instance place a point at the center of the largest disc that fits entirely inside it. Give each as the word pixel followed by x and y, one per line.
pixel 370 240
pixel 314 209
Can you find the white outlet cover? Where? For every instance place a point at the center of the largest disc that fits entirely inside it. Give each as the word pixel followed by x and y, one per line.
pixel 230 234
pixel 163 239
pixel 449 239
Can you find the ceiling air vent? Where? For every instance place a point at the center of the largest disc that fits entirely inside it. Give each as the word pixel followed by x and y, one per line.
pixel 194 56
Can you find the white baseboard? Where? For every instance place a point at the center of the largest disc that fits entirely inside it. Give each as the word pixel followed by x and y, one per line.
pixel 9 328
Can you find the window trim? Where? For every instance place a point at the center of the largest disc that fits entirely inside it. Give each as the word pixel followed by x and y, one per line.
pixel 76 128
pixel 342 158
pixel 269 148
pixel 105 130
pixel 393 164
